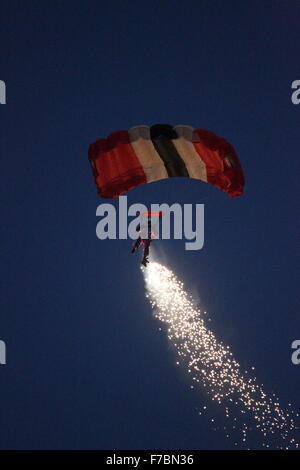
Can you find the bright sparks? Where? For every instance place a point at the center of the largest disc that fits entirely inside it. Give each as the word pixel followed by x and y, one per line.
pixel 212 367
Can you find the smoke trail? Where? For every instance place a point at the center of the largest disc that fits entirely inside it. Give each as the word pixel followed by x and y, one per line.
pixel 211 364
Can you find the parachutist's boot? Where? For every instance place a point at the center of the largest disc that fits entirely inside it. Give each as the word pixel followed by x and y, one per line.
pixel 145 261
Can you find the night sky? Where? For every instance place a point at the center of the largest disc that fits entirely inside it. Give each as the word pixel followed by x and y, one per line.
pixel 86 365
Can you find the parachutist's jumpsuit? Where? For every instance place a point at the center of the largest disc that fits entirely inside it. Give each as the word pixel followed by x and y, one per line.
pixel 143 241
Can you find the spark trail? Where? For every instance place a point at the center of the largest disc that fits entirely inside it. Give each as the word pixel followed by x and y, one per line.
pixel 212 367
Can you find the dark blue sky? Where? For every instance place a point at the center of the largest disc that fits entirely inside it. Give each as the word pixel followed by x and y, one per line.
pixel 86 367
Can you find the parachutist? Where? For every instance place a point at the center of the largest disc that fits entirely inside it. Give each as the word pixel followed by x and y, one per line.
pixel 146 242
pixel 146 236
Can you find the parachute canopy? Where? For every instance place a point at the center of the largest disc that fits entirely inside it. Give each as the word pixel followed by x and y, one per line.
pixel 143 154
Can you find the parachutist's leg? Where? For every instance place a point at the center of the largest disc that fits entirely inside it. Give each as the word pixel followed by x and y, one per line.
pixel 146 252
pixel 147 247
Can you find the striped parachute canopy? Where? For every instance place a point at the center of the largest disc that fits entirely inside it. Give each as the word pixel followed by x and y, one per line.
pixel 143 154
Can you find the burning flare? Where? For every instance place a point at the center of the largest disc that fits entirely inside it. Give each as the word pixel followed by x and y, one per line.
pixel 211 364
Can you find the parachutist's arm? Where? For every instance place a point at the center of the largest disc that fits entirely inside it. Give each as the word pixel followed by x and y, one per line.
pixel 136 245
